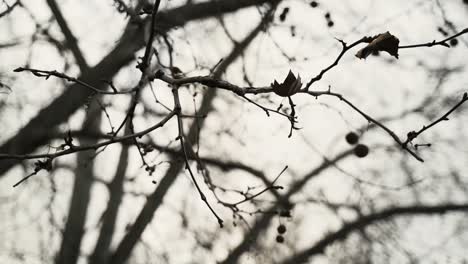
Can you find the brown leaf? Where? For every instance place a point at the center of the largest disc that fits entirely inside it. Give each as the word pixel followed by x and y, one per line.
pixel 290 85
pixel 382 42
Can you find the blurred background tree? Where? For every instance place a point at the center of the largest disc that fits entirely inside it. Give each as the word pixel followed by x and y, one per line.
pixel 150 132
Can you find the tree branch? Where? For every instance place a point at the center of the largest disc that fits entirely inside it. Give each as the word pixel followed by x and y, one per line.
pixel 10 8
pixel 35 133
pixel 364 221
pixel 130 239
pixel 69 37
pixel 435 43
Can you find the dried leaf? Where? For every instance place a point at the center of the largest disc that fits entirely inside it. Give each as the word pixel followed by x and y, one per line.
pixel 382 42
pixel 290 85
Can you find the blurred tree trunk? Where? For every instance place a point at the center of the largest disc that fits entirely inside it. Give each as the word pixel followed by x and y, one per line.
pixel 101 250
pixel 84 176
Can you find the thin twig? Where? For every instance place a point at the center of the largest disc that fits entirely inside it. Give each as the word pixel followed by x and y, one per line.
pixel 69 37
pixel 47 74
pixel 368 118
pixel 344 49
pixel 272 186
pixel 435 43
pixel 10 8
pixel 89 147
pixel 177 110
pixel 414 134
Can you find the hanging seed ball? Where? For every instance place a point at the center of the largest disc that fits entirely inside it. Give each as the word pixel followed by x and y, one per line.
pixel 352 138
pixel 281 229
pixel 361 150
pixel 453 42
pixel 279 239
pixel 313 4
pixel 330 23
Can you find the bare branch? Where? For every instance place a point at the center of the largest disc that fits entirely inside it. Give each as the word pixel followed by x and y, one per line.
pixel 90 147
pixel 344 49
pixel 34 134
pixel 153 202
pixel 364 221
pixel 414 134
pixel 10 8
pixel 47 74
pixel 435 43
pixel 70 38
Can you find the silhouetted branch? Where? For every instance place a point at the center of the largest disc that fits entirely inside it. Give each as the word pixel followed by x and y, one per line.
pixel 34 133
pixel 75 149
pixel 48 74
pixel 435 43
pixel 366 220
pixel 154 201
pixel 10 8
pixel 70 38
pixel 414 134
pixel 344 49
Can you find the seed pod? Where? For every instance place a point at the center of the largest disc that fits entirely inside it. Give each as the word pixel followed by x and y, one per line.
pixel 361 150
pixel 352 138
pixel 281 229
pixel 279 239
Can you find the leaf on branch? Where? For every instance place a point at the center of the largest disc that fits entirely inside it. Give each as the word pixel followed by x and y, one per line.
pixel 290 85
pixel 382 42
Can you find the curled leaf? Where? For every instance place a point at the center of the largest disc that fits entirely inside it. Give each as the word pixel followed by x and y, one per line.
pixel 290 85
pixel 382 42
